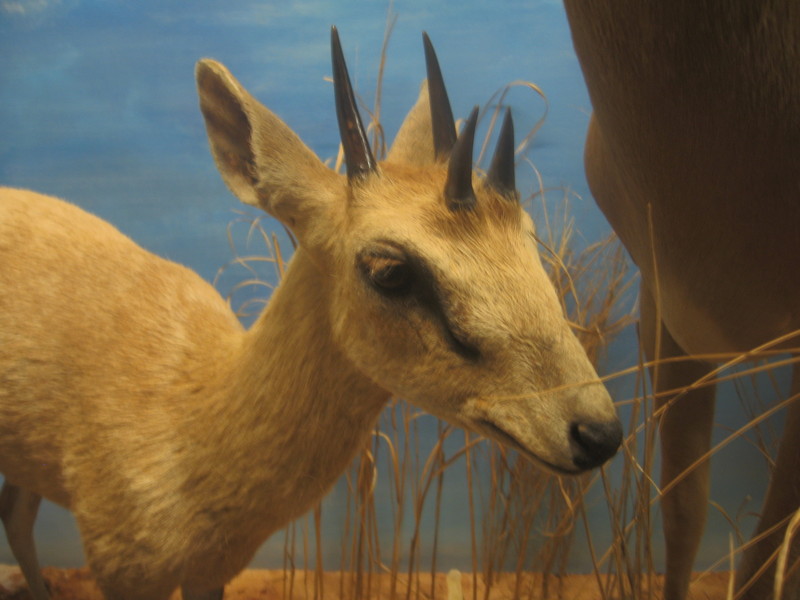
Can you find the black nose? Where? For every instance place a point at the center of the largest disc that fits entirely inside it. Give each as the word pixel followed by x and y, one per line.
pixel 594 443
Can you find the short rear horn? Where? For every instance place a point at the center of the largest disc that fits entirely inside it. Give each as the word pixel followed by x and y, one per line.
pixel 501 172
pixel 458 191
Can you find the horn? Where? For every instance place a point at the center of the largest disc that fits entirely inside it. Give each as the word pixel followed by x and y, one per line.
pixel 444 126
pixel 458 191
pixel 357 154
pixel 501 172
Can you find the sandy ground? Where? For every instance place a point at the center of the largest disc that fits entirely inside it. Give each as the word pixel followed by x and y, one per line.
pixel 77 584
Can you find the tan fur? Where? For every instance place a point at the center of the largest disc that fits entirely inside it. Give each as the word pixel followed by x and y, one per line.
pixel 130 394
pixel 692 155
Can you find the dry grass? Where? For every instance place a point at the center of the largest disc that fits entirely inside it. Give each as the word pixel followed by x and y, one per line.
pixel 525 519
pixel 520 520
pixel 78 584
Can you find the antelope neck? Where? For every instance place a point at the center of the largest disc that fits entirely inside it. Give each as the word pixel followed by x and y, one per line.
pixel 301 404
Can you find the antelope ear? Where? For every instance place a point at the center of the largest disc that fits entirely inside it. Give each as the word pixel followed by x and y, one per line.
pixel 414 142
pixel 260 158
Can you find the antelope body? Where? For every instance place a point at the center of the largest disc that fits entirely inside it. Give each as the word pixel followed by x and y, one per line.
pixel 692 154
pixel 130 394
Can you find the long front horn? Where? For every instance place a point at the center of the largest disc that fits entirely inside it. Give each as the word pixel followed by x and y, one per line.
pixel 458 191
pixel 501 172
pixel 357 154
pixel 443 124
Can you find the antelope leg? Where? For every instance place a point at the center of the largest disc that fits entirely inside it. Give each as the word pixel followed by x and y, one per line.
pixel 782 500
pixel 685 430
pixel 18 509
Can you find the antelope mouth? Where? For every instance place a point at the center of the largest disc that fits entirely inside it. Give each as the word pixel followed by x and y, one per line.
pixel 496 432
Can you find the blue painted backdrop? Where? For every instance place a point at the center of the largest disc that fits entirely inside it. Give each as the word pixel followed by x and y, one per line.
pixel 98 105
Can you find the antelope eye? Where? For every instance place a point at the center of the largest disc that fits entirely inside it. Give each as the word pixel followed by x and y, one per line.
pixel 389 275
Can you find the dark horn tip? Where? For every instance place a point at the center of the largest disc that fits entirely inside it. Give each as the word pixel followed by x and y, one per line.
pixel 357 153
pixel 458 191
pixel 500 175
pixel 442 121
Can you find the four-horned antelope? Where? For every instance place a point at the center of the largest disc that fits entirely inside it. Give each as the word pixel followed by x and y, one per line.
pixel 130 394
pixel 692 154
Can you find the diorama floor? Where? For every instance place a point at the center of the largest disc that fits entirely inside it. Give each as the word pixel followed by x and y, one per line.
pixel 77 584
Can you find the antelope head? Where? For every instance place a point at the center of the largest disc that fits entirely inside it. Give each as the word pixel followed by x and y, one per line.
pixel 437 293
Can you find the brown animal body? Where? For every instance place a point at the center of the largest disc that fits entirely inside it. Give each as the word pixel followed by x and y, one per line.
pixel 130 393
pixel 692 154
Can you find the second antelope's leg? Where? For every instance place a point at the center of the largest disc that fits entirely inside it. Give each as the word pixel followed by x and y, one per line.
pixel 18 509
pixel 212 595
pixel 783 499
pixel 685 430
